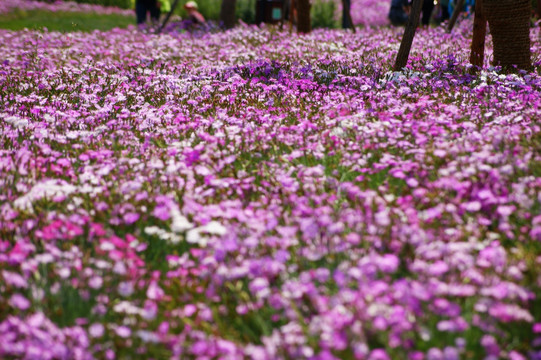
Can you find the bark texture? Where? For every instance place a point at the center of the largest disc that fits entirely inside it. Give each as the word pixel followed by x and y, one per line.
pixel 407 38
pixel 509 23
pixel 303 16
pixel 477 55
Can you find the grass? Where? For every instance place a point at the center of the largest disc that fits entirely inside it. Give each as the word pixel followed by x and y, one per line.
pixel 62 21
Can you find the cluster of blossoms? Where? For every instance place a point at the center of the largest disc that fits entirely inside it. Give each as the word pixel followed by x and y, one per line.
pixel 263 195
pixel 370 12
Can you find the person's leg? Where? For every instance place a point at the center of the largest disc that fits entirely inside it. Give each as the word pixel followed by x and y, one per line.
pixel 397 16
pixel 428 6
pixel 154 11
pixel 140 11
pixel 445 12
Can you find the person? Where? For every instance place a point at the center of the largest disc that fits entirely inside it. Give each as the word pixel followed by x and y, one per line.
pixel 397 13
pixel 400 8
pixel 143 7
pixel 428 7
pixel 194 17
pixel 469 6
pixel 443 11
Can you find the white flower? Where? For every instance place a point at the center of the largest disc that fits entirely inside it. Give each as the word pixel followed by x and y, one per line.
pixel 194 237
pixel 17 122
pixel 180 222
pixel 214 228
pixel 50 188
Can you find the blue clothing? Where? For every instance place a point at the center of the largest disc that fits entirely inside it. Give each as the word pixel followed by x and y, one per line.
pixel 400 3
pixel 469 6
pixel 397 15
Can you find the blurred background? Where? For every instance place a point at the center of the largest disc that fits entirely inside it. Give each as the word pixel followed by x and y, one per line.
pixel 324 13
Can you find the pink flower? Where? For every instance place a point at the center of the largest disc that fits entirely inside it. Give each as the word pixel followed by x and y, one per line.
pixel 412 182
pixel 123 331
pixel 95 282
pixel 189 310
pixel 14 279
pixel 161 212
pixel 96 330
pixel 154 292
pixel 130 218
pixel 20 302
pixel 472 206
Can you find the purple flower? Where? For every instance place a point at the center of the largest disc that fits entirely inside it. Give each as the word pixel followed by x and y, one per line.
pixel 472 206
pixel 514 355
pixel 161 212
pixel 20 302
pixel 388 263
pixel 154 292
pixel 14 279
pixel 130 218
pixel 378 354
pixel 434 354
pixel 95 282
pixel 96 330
pixel 123 331
pixel 451 353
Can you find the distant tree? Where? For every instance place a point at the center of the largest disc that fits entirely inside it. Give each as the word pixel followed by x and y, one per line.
pixel 303 16
pixel 227 13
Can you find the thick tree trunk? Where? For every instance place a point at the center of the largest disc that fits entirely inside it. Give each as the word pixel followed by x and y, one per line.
pixel 303 16
pixel 409 34
pixel 456 12
pixel 509 23
pixel 227 13
pixel 477 55
pixel 347 23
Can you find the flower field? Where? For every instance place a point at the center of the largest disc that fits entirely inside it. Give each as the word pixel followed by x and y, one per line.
pixel 262 195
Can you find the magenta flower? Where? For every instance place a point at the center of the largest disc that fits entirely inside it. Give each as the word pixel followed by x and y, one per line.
pixel 20 302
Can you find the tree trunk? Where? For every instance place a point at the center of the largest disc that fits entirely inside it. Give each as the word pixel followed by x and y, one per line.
pixel 227 13
pixel 407 38
pixel 292 14
pixel 456 12
pixel 347 23
pixel 477 55
pixel 303 16
pixel 509 23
